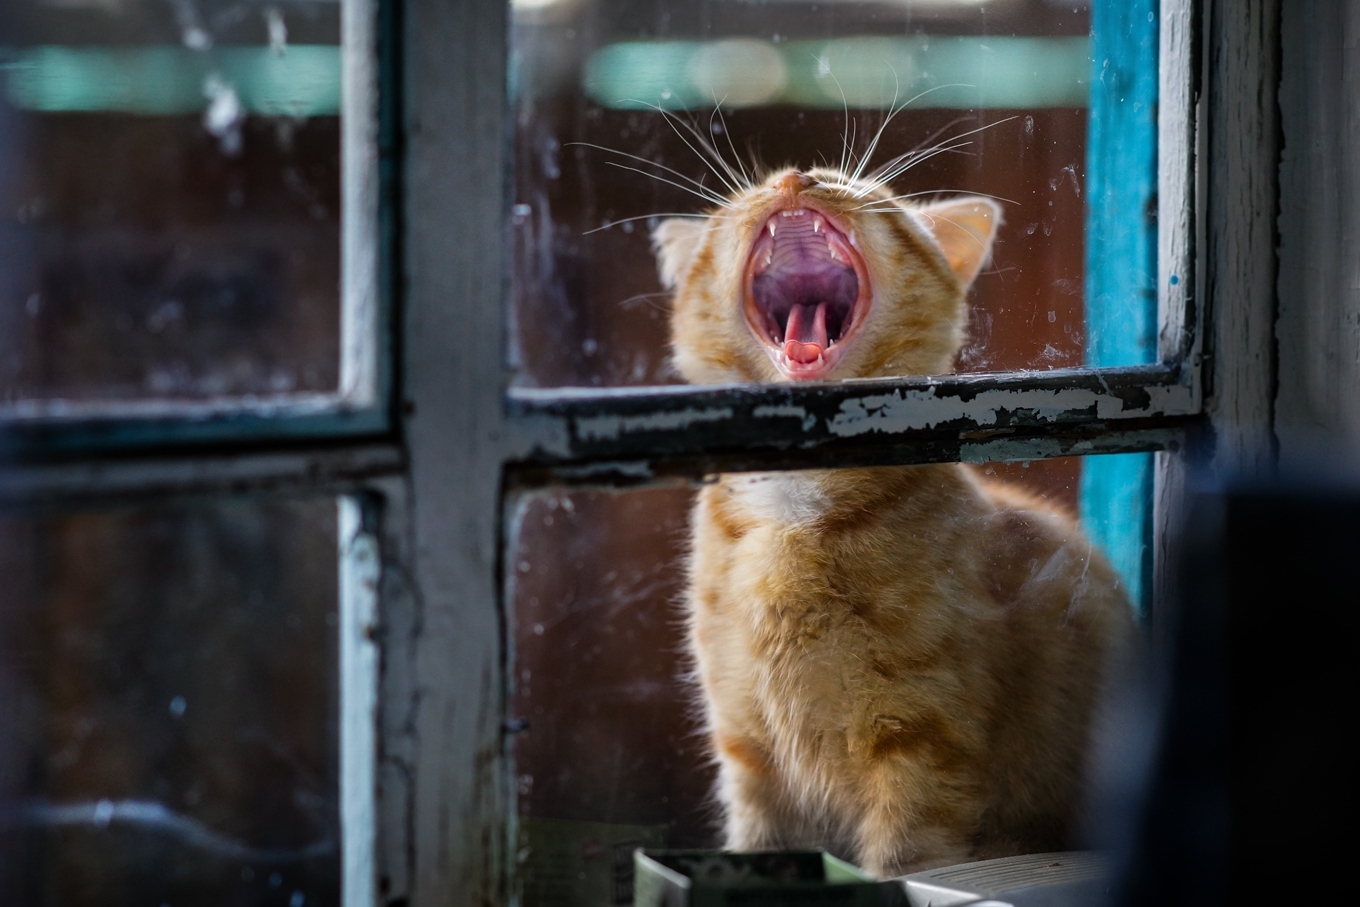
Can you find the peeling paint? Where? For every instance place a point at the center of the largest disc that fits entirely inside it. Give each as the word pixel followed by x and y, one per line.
pixel 904 410
pixel 612 427
pixel 786 411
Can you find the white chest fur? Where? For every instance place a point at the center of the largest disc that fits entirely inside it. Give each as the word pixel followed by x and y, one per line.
pixel 780 497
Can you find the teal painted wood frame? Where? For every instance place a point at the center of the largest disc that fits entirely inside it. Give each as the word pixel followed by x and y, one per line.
pixel 1121 264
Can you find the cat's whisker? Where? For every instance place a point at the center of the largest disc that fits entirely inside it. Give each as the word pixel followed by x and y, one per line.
pixel 913 161
pixel 874 176
pixel 868 206
pixel 643 160
pixel 730 179
pixel 631 301
pixel 707 194
pixel 747 182
pixel 894 168
pixel 627 220
pixel 966 231
pixel 892 112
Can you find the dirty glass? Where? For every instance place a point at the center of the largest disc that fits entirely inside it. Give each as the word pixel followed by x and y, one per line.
pixel 169 705
pixel 169 201
pixel 607 750
pixel 1046 105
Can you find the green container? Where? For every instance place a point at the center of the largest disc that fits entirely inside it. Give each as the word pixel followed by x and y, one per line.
pixel 798 878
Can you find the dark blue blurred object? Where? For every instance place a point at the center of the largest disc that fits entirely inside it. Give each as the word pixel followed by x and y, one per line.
pixel 1246 708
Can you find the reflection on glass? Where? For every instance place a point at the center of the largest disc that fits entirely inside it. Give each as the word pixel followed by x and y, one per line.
pixel 168 705
pixel 604 93
pixel 169 200
pixel 608 754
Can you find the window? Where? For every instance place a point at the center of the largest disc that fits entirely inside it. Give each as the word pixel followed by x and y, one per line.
pixel 621 112
pixel 412 459
pixel 189 263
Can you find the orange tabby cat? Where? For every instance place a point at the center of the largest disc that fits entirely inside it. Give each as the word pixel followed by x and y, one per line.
pixel 899 664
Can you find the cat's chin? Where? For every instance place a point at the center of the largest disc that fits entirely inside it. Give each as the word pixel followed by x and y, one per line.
pixel 806 290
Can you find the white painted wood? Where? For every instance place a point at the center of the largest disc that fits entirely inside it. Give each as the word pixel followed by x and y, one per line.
pixel 1179 289
pixel 358 617
pixel 1178 323
pixel 1318 401
pixel 359 298
pixel 317 468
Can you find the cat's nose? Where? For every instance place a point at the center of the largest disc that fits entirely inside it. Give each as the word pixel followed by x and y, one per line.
pixel 793 183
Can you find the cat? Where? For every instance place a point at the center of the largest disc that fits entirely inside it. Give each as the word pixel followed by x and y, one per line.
pixel 898 664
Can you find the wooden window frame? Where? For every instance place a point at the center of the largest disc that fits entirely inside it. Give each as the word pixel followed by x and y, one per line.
pixel 433 468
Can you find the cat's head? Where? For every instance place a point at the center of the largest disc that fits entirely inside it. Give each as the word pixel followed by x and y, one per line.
pixel 810 276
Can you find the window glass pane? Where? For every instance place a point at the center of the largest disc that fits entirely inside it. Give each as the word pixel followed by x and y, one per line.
pixel 169 705
pixel 169 200
pixel 1016 100
pixel 611 752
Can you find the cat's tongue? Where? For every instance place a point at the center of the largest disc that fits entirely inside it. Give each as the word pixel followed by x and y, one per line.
pixel 805 334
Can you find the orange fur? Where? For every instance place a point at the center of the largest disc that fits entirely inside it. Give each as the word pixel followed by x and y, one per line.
pixel 899 664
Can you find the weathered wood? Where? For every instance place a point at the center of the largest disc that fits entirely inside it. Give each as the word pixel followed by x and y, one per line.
pixel 322 468
pixel 1180 217
pixel 826 421
pixel 454 268
pixel 1239 263
pixel 1318 402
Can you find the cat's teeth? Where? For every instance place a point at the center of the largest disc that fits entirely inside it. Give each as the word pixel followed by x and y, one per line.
pixel 817 224
pixel 771 226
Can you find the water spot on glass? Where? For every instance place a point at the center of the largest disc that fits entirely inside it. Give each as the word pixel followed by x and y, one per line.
pixel 548 520
pixel 523 566
pixel 278 31
pixel 1052 317
pixel 589 346
pixel 275 880
pixel 103 814
pixel 297 900
pixel 522 210
pixel 247 874
pixel 171 310
pixel 177 706
pixel 538 629
pixel 1048 228
pixel 33 305
pixel 225 114
pixel 627 226
pixel 1029 231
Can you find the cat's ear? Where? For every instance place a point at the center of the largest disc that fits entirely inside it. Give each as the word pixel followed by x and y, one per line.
pixel 675 241
pixel 964 227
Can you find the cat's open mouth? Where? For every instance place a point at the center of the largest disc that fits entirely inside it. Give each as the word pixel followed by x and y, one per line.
pixel 807 290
